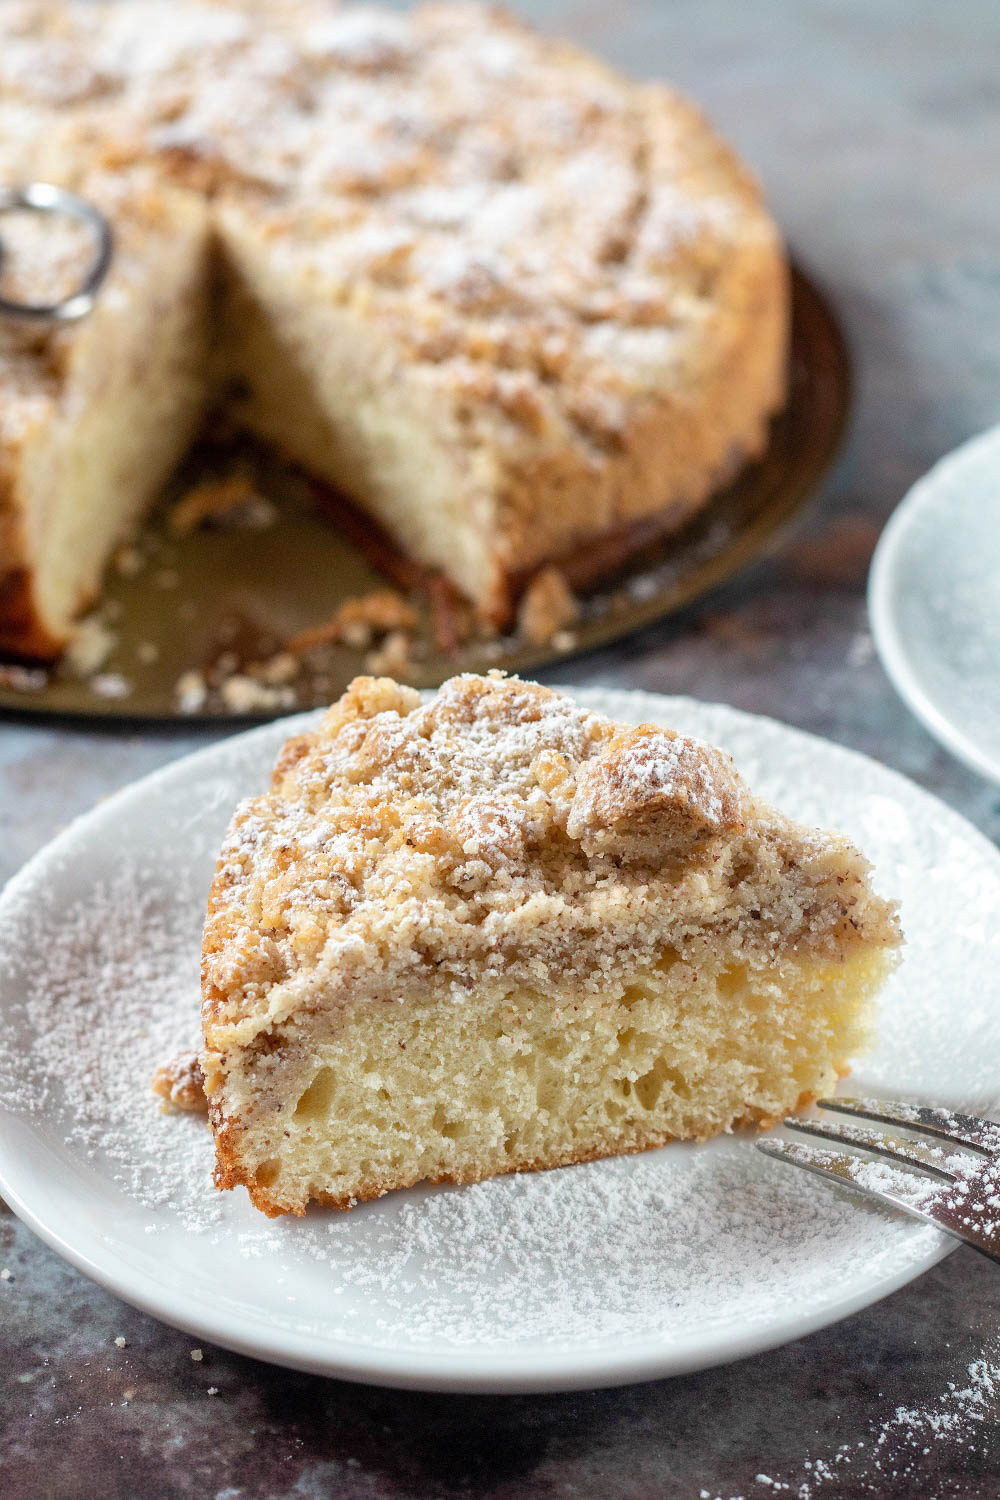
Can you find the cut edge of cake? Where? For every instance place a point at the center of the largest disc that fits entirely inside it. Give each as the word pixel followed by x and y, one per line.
pixel 85 456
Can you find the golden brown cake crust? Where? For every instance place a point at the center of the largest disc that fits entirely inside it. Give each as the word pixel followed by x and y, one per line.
pixel 231 1172
pixel 572 270
pixel 21 630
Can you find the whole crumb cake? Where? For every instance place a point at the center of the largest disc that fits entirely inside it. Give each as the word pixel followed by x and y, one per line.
pixel 494 932
pixel 508 301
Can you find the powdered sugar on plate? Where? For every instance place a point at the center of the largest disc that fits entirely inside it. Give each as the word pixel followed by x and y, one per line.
pixel 601 1271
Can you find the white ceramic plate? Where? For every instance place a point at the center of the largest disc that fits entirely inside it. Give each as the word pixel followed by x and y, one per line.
pixel 593 1275
pixel 934 601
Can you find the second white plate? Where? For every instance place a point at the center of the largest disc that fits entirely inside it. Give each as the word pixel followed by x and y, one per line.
pixel 596 1274
pixel 934 601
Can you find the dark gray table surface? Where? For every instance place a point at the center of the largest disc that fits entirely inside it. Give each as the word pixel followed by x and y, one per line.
pixel 876 127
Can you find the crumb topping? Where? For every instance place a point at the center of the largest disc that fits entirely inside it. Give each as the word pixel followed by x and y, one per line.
pixel 548 606
pixel 358 621
pixel 230 501
pixel 657 791
pixel 181 1083
pixel 542 233
pixel 501 832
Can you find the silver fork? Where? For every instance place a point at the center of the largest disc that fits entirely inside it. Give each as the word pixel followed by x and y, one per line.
pixel 955 1187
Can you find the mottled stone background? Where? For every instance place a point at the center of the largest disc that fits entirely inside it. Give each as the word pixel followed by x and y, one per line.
pixel 876 126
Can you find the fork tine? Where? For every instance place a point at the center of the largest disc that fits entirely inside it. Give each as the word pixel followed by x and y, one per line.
pixel 930 1159
pixel 854 1171
pixel 966 1130
pixel 946 1207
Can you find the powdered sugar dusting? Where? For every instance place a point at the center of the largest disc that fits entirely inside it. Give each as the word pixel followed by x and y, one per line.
pixel 891 1458
pixel 686 1247
pixel 119 990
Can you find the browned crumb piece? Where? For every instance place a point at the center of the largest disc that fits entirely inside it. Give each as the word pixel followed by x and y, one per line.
pixel 452 618
pixel 243 693
pixel 392 658
pixel 181 1083
pixel 548 606
pixel 358 622
pixel 254 687
pixel 277 670
pixel 214 500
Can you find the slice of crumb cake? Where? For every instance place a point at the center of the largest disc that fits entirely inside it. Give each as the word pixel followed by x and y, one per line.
pixel 497 932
